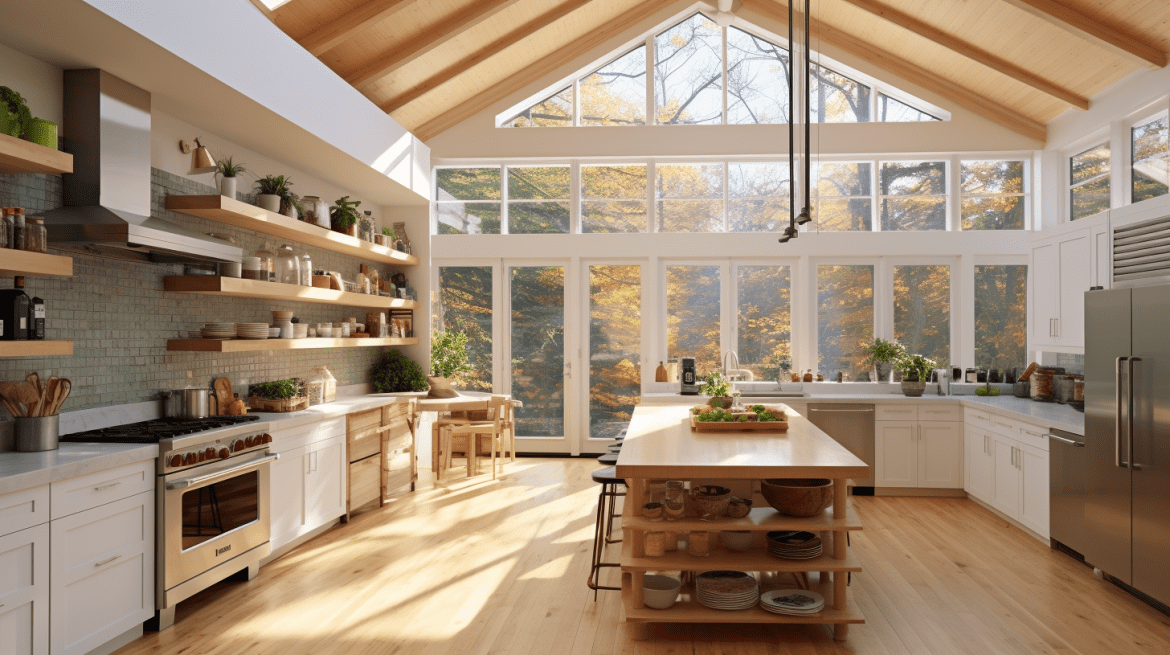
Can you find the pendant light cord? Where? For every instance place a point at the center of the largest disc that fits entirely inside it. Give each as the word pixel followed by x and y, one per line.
pixel 790 231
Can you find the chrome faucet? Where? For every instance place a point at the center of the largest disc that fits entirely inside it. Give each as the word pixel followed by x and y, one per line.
pixel 736 370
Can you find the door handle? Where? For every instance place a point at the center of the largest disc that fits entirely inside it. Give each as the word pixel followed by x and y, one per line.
pixel 1117 415
pixel 1129 418
pixel 1071 442
pixel 107 486
pixel 191 482
pixel 1056 327
pixel 107 561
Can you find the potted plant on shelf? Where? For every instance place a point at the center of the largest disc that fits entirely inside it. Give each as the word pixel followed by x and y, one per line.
pixel 273 191
pixel 448 362
pixel 227 171
pixel 395 372
pixel 915 372
pixel 717 388
pixel 344 216
pixel 884 354
pixel 14 114
pixel 386 238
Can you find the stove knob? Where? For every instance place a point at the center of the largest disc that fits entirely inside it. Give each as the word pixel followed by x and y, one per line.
pixel 249 442
pixel 176 461
pixel 238 445
pixel 210 453
pixel 200 456
pixel 267 438
pixel 224 453
pixel 188 459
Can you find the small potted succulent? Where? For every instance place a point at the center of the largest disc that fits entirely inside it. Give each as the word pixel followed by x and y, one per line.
pixel 227 171
pixel 274 192
pixel 915 372
pixel 344 216
pixel 386 238
pixel 884 355
pixel 717 388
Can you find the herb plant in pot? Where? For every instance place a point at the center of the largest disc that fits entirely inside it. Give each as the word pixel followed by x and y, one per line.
pixel 718 389
pixel 448 362
pixel 227 171
pixel 14 114
pixel 395 372
pixel 344 216
pixel 915 372
pixel 386 238
pixel 273 190
pixel 884 355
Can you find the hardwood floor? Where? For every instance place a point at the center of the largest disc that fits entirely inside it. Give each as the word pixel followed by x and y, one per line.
pixel 475 567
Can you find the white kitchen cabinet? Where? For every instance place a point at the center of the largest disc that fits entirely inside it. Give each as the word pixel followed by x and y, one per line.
pixel 1062 269
pixel 1005 493
pixel 1034 493
pixel 896 454
pixel 325 484
pixel 980 464
pixel 308 489
pixel 287 503
pixel 1044 269
pixel 940 455
pixel 101 572
pixel 24 591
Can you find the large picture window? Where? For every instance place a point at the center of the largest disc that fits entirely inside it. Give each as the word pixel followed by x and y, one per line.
pixel 763 319
pixel 615 347
pixel 1001 311
pixel 692 315
pixel 922 311
pixel 465 305
pixel 844 319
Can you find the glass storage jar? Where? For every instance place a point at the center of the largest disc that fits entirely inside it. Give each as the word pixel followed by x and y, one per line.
pixel 266 268
pixel 5 228
pixel 35 236
pixel 306 270
pixel 288 268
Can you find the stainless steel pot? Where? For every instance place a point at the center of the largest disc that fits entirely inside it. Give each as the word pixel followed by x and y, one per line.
pixel 187 403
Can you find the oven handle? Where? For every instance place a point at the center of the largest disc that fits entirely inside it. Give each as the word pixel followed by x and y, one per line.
pixel 184 483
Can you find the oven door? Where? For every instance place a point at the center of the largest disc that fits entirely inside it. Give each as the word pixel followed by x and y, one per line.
pixel 211 514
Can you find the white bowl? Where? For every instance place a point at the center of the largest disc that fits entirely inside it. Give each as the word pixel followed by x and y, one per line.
pixel 273 333
pixel 325 332
pixel 737 540
pixel 660 591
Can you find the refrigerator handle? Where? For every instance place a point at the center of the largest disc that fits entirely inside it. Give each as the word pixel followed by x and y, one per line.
pixel 1129 418
pixel 1117 416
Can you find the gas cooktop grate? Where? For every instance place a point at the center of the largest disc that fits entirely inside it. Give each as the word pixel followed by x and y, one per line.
pixel 155 430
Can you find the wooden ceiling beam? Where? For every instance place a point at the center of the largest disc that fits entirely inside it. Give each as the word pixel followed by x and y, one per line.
pixel 433 36
pixel 545 66
pixel 777 13
pixel 1074 22
pixel 487 52
pixel 331 35
pixel 970 51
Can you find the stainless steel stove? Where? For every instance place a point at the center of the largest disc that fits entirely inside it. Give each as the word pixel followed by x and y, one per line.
pixel 212 501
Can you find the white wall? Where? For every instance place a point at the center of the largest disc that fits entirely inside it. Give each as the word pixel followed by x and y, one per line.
pixel 38 82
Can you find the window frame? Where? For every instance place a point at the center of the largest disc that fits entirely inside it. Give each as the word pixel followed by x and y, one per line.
pixel 957 183
pixel 1084 146
pixel 1163 114
pixel 949 173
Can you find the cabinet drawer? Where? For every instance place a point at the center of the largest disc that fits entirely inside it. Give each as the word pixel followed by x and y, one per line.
pixel 1032 435
pixel 978 418
pixel 24 509
pixel 395 413
pixel 940 412
pixel 895 412
pixel 362 420
pixel 24 591
pixel 365 481
pixel 364 434
pixel 287 440
pixel 396 479
pixel 88 491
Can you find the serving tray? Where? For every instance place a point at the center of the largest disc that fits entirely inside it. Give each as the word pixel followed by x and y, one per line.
pixel 750 425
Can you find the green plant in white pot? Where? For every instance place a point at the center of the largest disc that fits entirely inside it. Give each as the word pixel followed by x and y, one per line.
pixel 274 192
pixel 915 372
pixel 883 355
pixel 227 171
pixel 449 362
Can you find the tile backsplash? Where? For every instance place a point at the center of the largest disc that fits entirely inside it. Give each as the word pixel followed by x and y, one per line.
pixel 119 317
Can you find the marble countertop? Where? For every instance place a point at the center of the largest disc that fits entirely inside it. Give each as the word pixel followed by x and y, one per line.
pixel 1048 415
pixel 26 470
pixel 340 407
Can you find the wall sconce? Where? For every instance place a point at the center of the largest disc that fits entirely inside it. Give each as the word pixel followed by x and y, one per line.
pixel 201 159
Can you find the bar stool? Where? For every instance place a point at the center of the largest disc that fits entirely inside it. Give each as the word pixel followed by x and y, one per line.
pixel 608 459
pixel 609 481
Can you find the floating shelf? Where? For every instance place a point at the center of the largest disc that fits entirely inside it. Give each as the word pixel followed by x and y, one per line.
pixel 250 217
pixel 34 264
pixel 688 610
pixel 36 348
pixel 760 519
pixel 240 288
pixel 721 559
pixel 260 345
pixel 20 156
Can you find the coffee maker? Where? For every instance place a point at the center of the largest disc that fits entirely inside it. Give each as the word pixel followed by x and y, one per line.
pixel 689 384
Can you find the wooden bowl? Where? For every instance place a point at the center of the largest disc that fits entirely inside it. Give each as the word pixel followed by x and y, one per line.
pixel 798 496
pixel 710 500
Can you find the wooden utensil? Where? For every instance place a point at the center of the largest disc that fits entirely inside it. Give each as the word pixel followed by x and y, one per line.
pixel 43 401
pixel 27 393
pixel 223 395
pixel 64 386
pixel 35 380
pixel 11 398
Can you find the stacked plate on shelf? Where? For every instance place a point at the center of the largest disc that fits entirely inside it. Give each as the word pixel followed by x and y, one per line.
pixel 792 602
pixel 727 590
pixel 252 330
pixel 792 544
pixel 219 331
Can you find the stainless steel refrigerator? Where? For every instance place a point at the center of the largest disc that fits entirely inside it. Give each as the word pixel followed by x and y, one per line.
pixel 1127 437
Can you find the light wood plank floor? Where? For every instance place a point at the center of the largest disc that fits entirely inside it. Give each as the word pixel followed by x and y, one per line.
pixel 476 567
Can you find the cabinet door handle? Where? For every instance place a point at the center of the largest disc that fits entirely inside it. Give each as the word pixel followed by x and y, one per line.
pixel 1056 323
pixel 107 486
pixel 107 561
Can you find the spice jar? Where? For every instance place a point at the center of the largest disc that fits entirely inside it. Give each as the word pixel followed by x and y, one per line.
pixel 35 236
pixel 306 270
pixel 266 268
pixel 5 227
pixel 18 239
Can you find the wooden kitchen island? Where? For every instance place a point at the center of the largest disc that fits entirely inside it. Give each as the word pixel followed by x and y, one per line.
pixel 660 446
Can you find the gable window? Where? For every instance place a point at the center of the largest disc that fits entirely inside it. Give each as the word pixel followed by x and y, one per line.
pixel 1089 182
pixel 615 94
pixel 757 79
pixel 913 195
pixel 895 111
pixel 554 110
pixel 1150 159
pixel 838 99
pixel 992 195
pixel 688 73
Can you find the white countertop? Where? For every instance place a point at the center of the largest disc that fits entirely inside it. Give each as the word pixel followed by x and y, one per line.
pixel 340 407
pixel 26 470
pixel 1048 415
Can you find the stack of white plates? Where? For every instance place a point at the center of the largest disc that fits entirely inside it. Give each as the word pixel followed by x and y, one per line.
pixel 793 602
pixel 252 330
pixel 219 331
pixel 791 544
pixel 727 590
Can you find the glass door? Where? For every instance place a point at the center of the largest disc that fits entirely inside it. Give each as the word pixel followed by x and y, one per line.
pixel 537 374
pixel 615 351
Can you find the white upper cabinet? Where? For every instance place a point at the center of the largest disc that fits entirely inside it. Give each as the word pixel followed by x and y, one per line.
pixel 1066 261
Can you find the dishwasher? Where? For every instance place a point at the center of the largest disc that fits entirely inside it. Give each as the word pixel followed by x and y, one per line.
pixel 851 426
pixel 1067 475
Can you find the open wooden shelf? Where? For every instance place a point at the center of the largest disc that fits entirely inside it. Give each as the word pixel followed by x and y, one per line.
pixel 240 288
pixel 20 156
pixel 688 610
pixel 34 264
pixel 35 348
pixel 762 519
pixel 721 559
pixel 250 217
pixel 260 345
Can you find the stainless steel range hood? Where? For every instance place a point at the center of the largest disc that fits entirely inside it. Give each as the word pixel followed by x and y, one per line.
pixel 107 197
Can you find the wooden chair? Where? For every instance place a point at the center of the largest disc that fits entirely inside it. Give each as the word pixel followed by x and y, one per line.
pixel 498 430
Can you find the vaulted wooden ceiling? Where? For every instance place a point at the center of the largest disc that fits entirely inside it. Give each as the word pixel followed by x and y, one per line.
pixel 433 63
